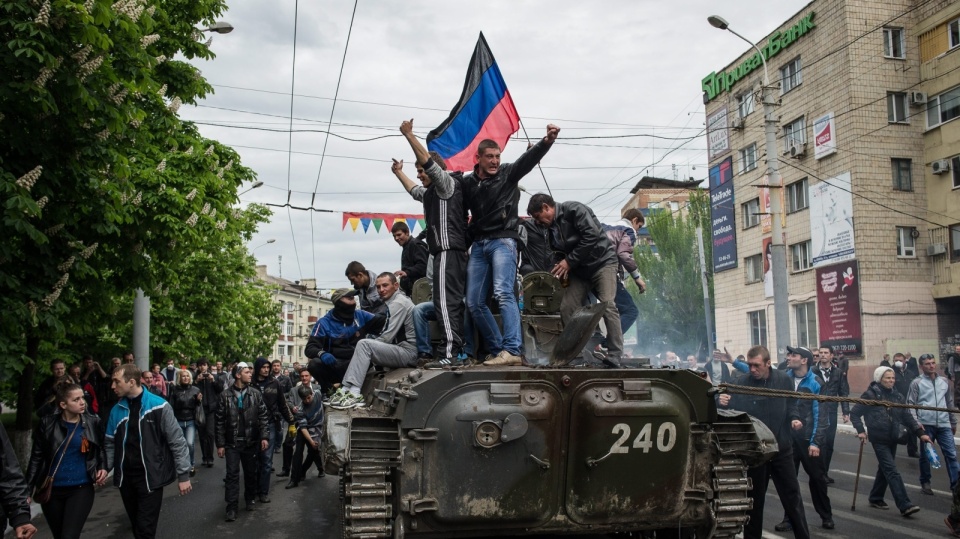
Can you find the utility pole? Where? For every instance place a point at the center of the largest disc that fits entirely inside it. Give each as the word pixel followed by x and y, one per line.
pixel 141 330
pixel 778 250
pixel 707 314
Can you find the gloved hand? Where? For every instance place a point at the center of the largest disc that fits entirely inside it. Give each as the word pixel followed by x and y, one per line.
pixel 328 359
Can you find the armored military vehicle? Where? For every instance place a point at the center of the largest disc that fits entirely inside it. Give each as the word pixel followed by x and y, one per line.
pixel 542 449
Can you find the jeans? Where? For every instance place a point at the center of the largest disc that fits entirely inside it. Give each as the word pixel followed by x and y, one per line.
pixel 423 313
pixel 265 466
pixel 189 429
pixel 887 475
pixel 208 437
pixel 943 436
pixel 301 466
pixel 67 510
pixel 493 263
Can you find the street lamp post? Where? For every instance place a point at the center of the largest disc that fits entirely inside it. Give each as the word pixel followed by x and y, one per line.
pixel 271 240
pixel 778 248
pixel 256 184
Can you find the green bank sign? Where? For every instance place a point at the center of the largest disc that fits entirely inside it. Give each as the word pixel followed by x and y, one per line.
pixel 715 84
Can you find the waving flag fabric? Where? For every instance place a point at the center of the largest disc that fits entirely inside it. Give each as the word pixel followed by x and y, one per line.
pixel 485 111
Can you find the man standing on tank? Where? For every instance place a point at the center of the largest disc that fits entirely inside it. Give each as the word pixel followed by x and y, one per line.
pixel 780 416
pixel 447 239
pixel 493 197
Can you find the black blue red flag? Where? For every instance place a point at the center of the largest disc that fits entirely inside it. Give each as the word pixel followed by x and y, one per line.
pixel 485 111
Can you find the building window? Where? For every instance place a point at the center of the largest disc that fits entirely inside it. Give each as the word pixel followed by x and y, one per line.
pixel 953 30
pixel 943 108
pixel 897 107
pixel 745 103
pixel 653 205
pixel 806 317
pixel 794 134
pixel 893 43
pixel 955 170
pixel 902 175
pixel 289 328
pixel 955 243
pixel 279 351
pixel 790 75
pixel 748 158
pixel 754 268
pixel 797 196
pixel 310 310
pixel 800 253
pixel 751 213
pixel 906 243
pixel 758 328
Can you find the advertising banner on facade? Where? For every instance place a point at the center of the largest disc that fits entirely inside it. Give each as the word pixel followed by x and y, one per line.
pixel 831 221
pixel 718 135
pixel 838 308
pixel 766 220
pixel 722 215
pixel 824 136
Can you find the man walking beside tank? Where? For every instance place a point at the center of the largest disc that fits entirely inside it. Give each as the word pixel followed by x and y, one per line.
pixel 243 427
pixel 834 384
pixel 808 439
pixel 931 389
pixel 780 416
pixel 493 198
pixel 589 263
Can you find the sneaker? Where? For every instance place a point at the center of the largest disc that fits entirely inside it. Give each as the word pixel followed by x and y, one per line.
pixel 193 471
pixel 440 363
pixel 264 498
pixel 231 515
pixel 599 353
pixel 504 359
pixel 880 505
pixel 335 397
pixel 910 510
pixel 347 401
pixel 953 526
pixel 925 488
pixel 828 479
pixel 828 524
pixel 251 505
pixel 466 360
pixel 423 359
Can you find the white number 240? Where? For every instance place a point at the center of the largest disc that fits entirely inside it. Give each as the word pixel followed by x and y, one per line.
pixel 666 438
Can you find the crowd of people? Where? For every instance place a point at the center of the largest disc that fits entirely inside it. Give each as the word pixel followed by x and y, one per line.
pixel 94 421
pixel 805 429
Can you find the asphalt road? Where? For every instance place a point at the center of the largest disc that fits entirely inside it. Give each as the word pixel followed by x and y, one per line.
pixel 311 509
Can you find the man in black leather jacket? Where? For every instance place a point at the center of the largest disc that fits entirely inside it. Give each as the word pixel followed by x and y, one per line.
pixel 13 491
pixel 243 426
pixel 780 416
pixel 589 262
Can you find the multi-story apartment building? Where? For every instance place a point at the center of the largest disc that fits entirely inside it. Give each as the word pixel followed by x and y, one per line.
pixel 301 306
pixel 853 142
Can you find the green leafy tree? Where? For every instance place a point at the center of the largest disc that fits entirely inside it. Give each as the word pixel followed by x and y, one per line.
pixel 103 188
pixel 671 310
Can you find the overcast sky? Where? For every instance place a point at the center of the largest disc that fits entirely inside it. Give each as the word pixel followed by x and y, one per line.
pixel 627 69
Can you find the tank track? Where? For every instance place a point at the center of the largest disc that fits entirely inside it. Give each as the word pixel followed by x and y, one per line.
pixel 731 501
pixel 366 490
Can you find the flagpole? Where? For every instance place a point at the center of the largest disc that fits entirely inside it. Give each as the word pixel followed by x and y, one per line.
pixel 538 162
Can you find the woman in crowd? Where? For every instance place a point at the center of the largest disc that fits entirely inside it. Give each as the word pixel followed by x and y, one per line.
pixel 68 444
pixel 89 393
pixel 883 431
pixel 185 398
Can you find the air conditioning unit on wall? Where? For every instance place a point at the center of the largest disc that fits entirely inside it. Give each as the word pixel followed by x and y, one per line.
pixel 918 98
pixel 940 166
pixel 737 123
pixel 798 150
pixel 935 249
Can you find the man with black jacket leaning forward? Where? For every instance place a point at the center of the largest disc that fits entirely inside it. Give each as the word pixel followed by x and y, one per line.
pixel 142 425
pixel 780 416
pixel 243 426
pixel 589 262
